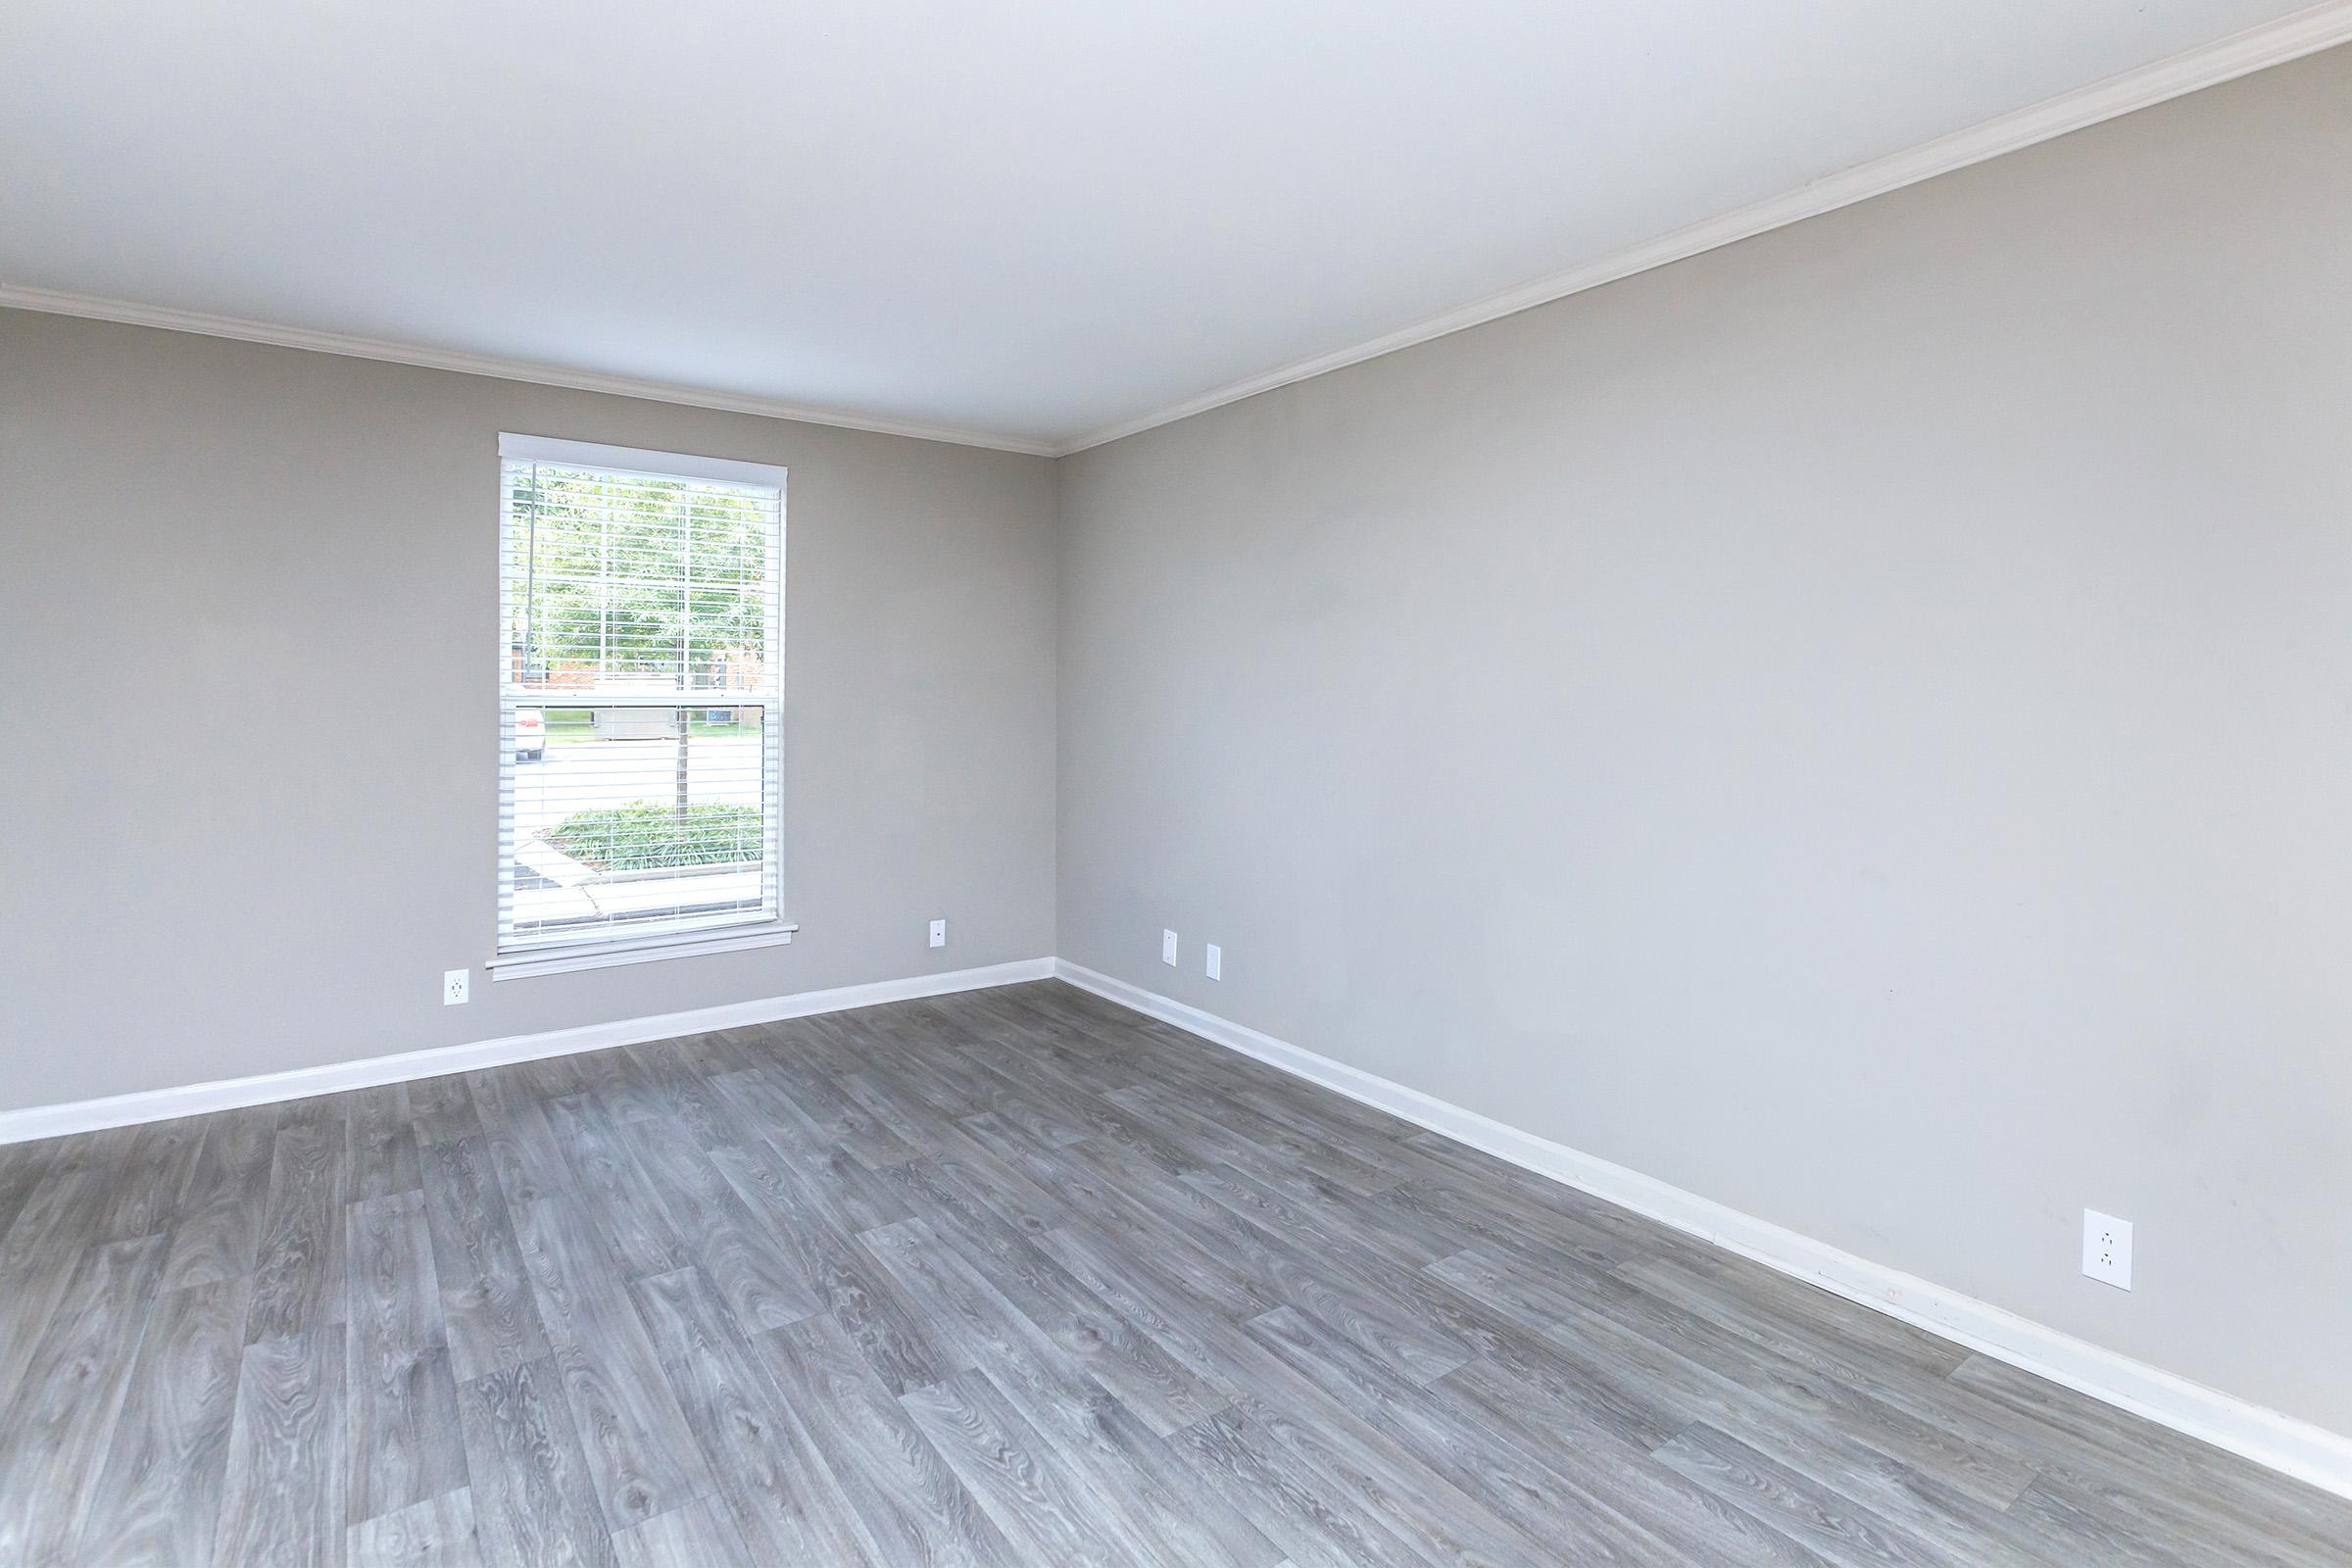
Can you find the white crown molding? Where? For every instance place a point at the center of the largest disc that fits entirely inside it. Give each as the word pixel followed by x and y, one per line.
pixel 17 297
pixel 2282 1443
pixel 231 1094
pixel 2273 43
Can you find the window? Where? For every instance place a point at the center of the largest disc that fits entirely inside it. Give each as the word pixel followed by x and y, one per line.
pixel 640 683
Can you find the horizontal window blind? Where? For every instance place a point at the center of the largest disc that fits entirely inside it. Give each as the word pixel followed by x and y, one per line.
pixel 640 695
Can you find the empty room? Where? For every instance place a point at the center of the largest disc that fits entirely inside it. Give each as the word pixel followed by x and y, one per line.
pixel 1216 785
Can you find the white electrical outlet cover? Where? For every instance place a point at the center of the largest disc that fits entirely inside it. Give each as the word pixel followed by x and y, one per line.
pixel 1214 965
pixel 939 933
pixel 1167 947
pixel 453 986
pixel 2107 1248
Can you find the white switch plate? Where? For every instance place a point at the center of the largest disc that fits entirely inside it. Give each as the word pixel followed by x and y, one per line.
pixel 1167 947
pixel 939 933
pixel 2107 1248
pixel 1215 963
pixel 453 986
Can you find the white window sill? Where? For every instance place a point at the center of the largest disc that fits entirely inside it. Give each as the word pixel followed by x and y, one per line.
pixel 636 950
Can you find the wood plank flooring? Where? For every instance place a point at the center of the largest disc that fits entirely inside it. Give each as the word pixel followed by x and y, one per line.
pixel 1013 1277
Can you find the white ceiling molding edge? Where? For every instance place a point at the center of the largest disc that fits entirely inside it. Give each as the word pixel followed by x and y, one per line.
pixel 2290 37
pixel 13 296
pixel 2273 43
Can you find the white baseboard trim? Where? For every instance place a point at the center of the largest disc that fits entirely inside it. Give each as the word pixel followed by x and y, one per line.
pixel 2282 1443
pixel 231 1094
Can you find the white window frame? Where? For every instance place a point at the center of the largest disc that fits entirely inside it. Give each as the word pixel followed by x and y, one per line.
pixel 765 927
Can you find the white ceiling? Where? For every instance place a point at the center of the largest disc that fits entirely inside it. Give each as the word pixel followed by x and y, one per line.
pixel 1034 219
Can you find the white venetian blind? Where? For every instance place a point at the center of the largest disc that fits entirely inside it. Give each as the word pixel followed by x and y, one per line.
pixel 640 689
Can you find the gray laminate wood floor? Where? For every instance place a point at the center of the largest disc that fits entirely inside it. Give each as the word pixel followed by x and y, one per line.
pixel 1012 1276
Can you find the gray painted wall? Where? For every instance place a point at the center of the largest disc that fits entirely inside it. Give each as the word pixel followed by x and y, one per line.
pixel 248 778
pixel 1857 724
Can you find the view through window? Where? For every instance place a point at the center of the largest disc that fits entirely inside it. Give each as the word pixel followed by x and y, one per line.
pixel 640 684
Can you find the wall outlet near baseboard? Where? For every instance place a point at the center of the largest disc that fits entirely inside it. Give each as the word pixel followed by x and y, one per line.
pixel 939 933
pixel 1213 963
pixel 1167 947
pixel 2107 1248
pixel 455 984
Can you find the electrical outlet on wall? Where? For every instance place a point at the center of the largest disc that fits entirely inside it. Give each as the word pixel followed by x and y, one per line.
pixel 1167 947
pixel 2107 1248
pixel 1213 964
pixel 453 986
pixel 939 933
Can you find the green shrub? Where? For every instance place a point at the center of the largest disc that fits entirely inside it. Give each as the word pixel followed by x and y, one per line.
pixel 647 835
